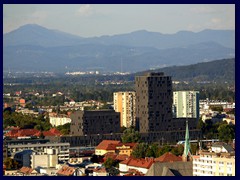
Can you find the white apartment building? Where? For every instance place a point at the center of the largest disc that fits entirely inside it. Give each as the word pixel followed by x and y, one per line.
pixel 214 164
pixel 186 104
pixel 59 120
pixel 124 102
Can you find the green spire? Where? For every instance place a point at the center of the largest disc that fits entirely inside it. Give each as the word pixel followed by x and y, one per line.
pixel 187 143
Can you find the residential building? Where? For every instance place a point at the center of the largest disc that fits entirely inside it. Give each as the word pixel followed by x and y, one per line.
pixel 142 165
pixel 106 146
pixel 56 120
pixel 186 104
pixel 168 157
pixel 95 122
pixel 124 102
pixel 48 159
pixel 153 102
pixel 214 164
pixel 69 171
pixel 125 148
pixel 62 149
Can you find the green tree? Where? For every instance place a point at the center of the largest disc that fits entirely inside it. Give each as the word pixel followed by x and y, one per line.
pixel 164 149
pixel 226 132
pixel 178 150
pixel 152 151
pixel 130 135
pixel 109 163
pixel 10 163
pixel 113 171
pixel 140 150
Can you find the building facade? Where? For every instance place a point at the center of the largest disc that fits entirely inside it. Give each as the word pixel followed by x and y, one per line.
pixel 94 122
pixel 214 164
pixel 61 149
pixel 153 102
pixel 124 102
pixel 186 104
pixel 59 120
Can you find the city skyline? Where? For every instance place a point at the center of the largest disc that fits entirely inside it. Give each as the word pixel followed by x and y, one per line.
pixel 89 20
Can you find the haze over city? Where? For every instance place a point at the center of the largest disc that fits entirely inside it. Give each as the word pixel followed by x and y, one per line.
pixel 88 20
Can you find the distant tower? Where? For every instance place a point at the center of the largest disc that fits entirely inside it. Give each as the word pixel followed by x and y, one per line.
pixel 186 153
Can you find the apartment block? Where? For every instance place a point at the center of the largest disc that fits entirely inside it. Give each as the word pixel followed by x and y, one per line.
pixel 214 164
pixel 124 102
pixel 186 104
pixel 153 102
pixel 95 122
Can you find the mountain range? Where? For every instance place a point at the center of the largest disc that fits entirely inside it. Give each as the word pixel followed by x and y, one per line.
pixel 36 48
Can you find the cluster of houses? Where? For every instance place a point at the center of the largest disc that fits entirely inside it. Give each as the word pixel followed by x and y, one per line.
pixel 218 160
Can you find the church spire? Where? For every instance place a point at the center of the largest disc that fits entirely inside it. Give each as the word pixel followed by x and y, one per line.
pixel 186 152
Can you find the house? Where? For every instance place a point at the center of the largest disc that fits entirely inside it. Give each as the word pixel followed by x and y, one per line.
pixel 69 171
pixel 23 133
pixel 168 157
pixel 106 146
pixel 142 165
pixel 52 132
pixel 125 148
pixel 115 157
pixel 171 169
pixel 27 171
pixel 221 148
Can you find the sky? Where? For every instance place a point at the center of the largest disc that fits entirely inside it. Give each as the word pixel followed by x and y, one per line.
pixel 89 20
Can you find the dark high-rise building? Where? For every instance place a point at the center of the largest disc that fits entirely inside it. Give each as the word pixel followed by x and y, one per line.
pixel 153 102
pixel 95 122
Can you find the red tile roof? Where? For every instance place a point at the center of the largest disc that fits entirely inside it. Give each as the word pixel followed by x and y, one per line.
pixel 52 132
pixel 121 157
pixel 66 171
pixel 23 132
pixel 108 145
pixel 109 155
pixel 168 157
pixel 143 163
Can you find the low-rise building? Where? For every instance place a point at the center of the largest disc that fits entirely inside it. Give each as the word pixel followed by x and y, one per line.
pixel 106 146
pixel 62 149
pixel 142 165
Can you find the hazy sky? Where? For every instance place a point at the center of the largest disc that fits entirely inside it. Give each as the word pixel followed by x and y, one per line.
pixel 89 20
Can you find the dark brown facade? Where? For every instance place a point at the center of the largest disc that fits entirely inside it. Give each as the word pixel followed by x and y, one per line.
pixel 95 122
pixel 153 102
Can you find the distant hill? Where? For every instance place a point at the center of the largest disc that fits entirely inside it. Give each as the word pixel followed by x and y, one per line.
pixel 218 71
pixel 36 48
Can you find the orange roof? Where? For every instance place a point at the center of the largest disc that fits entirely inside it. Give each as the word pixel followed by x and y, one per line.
pixel 168 157
pixel 108 145
pixel 52 132
pixel 110 155
pixel 66 171
pixel 26 170
pixel 23 132
pixel 121 157
pixel 143 163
